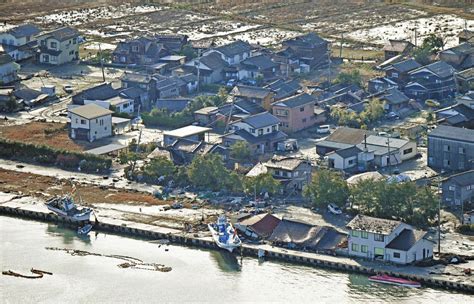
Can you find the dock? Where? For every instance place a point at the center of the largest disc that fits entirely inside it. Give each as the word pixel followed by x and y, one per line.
pixel 340 263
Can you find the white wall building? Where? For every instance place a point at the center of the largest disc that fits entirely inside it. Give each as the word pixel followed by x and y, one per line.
pixel 90 122
pixel 387 240
pixel 19 41
pixel 59 46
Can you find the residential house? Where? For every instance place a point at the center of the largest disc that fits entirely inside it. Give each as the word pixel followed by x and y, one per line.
pixel 20 42
pixel 58 46
pixel 173 43
pixel 260 96
pixel 168 87
pixel 345 159
pixel 394 100
pixel 451 148
pixel 120 104
pixel 397 47
pixel 145 84
pixel 284 89
pixel 295 234
pixel 190 84
pixel 206 115
pixel 460 57
pixel 293 173
pixel 233 53
pixel 30 97
pixel 6 97
pixel 458 188
pixel 172 61
pixel 460 115
pixel 387 240
pixel 139 96
pixel 398 72
pixel 295 113
pixel 8 69
pixel 193 133
pixel 389 151
pixel 103 91
pixel 259 226
pixel 90 122
pixel 465 80
pixel 435 81
pixel 310 50
pixel 261 66
pixel 261 131
pixel 183 150
pixel 173 105
pixel 208 68
pixel 380 84
pixel 341 138
pixel 121 125
pixel 140 51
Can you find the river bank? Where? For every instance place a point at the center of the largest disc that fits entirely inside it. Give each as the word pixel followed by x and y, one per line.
pixel 432 276
pixel 198 275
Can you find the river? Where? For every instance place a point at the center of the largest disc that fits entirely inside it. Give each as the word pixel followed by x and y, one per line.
pixel 197 275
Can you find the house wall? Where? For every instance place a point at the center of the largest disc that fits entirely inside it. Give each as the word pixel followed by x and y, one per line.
pixel 415 253
pixel 450 155
pixel 97 128
pixel 8 72
pixel 9 39
pixel 69 48
pixel 382 160
pixel 408 151
pixel 454 194
pixel 255 132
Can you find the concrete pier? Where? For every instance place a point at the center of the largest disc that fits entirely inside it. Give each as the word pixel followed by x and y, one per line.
pixel 128 228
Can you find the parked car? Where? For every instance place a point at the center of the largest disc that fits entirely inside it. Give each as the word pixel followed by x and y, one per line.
pixel 334 209
pixel 323 129
pixel 231 83
pixel 392 115
pixel 432 103
pixel 68 88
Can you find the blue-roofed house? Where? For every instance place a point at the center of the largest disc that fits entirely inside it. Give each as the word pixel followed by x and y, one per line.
pixel 20 42
pixel 432 81
pixel 398 72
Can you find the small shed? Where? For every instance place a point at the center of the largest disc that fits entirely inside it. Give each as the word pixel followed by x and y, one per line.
pixel 111 149
pixel 191 132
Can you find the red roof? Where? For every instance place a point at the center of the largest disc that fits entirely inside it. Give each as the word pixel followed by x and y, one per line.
pixel 264 227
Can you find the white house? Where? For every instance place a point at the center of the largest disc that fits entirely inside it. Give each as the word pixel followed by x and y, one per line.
pixel 389 151
pixel 234 52
pixel 119 103
pixel 58 46
pixel 19 41
pixel 8 69
pixel 387 240
pixel 90 122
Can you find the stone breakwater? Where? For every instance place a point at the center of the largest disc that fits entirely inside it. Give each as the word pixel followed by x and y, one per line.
pixel 311 259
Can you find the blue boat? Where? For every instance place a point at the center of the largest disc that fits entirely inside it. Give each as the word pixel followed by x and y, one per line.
pixel 224 234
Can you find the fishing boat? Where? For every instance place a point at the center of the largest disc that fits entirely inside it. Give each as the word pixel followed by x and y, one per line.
pixel 65 206
pixel 84 230
pixel 224 234
pixel 386 279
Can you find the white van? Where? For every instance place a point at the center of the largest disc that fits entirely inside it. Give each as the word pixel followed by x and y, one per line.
pixel 323 129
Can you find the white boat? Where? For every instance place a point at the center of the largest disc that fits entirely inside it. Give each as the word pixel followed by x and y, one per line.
pixel 64 206
pixel 224 234
pixel 84 230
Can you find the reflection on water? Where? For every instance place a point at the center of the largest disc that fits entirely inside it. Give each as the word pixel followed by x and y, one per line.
pixel 68 234
pixel 226 261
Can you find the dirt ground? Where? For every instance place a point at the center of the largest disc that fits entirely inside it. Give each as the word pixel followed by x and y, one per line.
pixel 43 133
pixel 46 187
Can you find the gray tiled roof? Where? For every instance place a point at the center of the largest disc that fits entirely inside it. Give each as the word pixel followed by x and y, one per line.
pixel 372 224
pixel 63 33
pixel 453 133
pixel 296 101
pixel 463 178
pixel 24 30
pixel 406 239
pixel 103 91
pixel 406 65
pixel 347 135
pixel 440 68
pixel 262 62
pixel 234 48
pixel 90 111
pixel 213 61
pixel 261 120
pixel 250 91
pixel 348 152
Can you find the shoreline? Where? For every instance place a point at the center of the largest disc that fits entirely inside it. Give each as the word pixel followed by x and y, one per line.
pixel 128 228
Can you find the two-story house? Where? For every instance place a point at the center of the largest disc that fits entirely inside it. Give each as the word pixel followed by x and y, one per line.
pixel 451 148
pixel 19 42
pixel 295 112
pixel 102 91
pixel 260 96
pixel 458 188
pixel 394 100
pixel 172 42
pixel 293 173
pixel 435 81
pixel 310 50
pixel 90 122
pixel 397 47
pixel 261 131
pixel 398 72
pixel 142 51
pixel 461 56
pixel 208 68
pixel 8 69
pixel 143 82
pixel 256 66
pixel 58 46
pixel 233 53
pixel 387 240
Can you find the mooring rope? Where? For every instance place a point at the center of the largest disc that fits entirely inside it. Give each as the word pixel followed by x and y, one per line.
pixel 130 262
pixel 39 274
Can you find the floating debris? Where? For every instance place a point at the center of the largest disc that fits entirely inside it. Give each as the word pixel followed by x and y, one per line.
pixel 39 274
pixel 130 262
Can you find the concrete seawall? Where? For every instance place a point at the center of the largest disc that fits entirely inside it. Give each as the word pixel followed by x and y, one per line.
pixel 271 253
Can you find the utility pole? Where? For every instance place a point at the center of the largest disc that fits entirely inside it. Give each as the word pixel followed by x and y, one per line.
pixel 388 161
pixel 439 218
pixel 101 63
pixel 197 64
pixel 329 64
pixel 416 37
pixel 340 49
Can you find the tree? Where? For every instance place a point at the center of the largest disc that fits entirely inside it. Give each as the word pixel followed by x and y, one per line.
pixel 240 151
pixel 344 117
pixel 373 111
pixel 433 43
pixel 261 184
pixel 11 104
pixel 327 187
pixel 208 171
pixel 189 52
pixel 129 158
pixel 157 167
pixel 259 80
pixel 422 56
pixel 353 77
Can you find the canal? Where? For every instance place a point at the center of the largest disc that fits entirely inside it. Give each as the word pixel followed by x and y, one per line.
pixel 197 275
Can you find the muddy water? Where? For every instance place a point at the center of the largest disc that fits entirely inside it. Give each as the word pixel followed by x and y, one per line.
pixel 197 275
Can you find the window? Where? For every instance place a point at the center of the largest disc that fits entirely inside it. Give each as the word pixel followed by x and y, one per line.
pixel 101 122
pixel 407 151
pixel 74 40
pixel 96 120
pixel 446 148
pixel 274 128
pixel 355 247
pixel 77 120
pixel 379 251
pixel 351 161
pixel 462 150
pixel 355 233
pixel 395 75
pixel 260 132
pixel 396 255
pixel 446 162
pixel 83 121
pixel 364 234
pixel 378 237
pixel 302 109
pixel 452 188
pixel 268 130
pixel 303 120
pixel 252 130
pixel 364 248
pixel 461 165
pixel 53 45
pixel 135 48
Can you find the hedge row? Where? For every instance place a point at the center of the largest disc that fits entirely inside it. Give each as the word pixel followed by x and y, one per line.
pixel 50 156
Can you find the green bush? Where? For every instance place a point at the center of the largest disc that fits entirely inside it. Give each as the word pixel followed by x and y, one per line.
pixel 467 229
pixel 54 157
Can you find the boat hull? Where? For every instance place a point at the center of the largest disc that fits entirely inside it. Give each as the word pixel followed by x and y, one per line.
pixel 227 246
pixel 394 281
pixel 79 217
